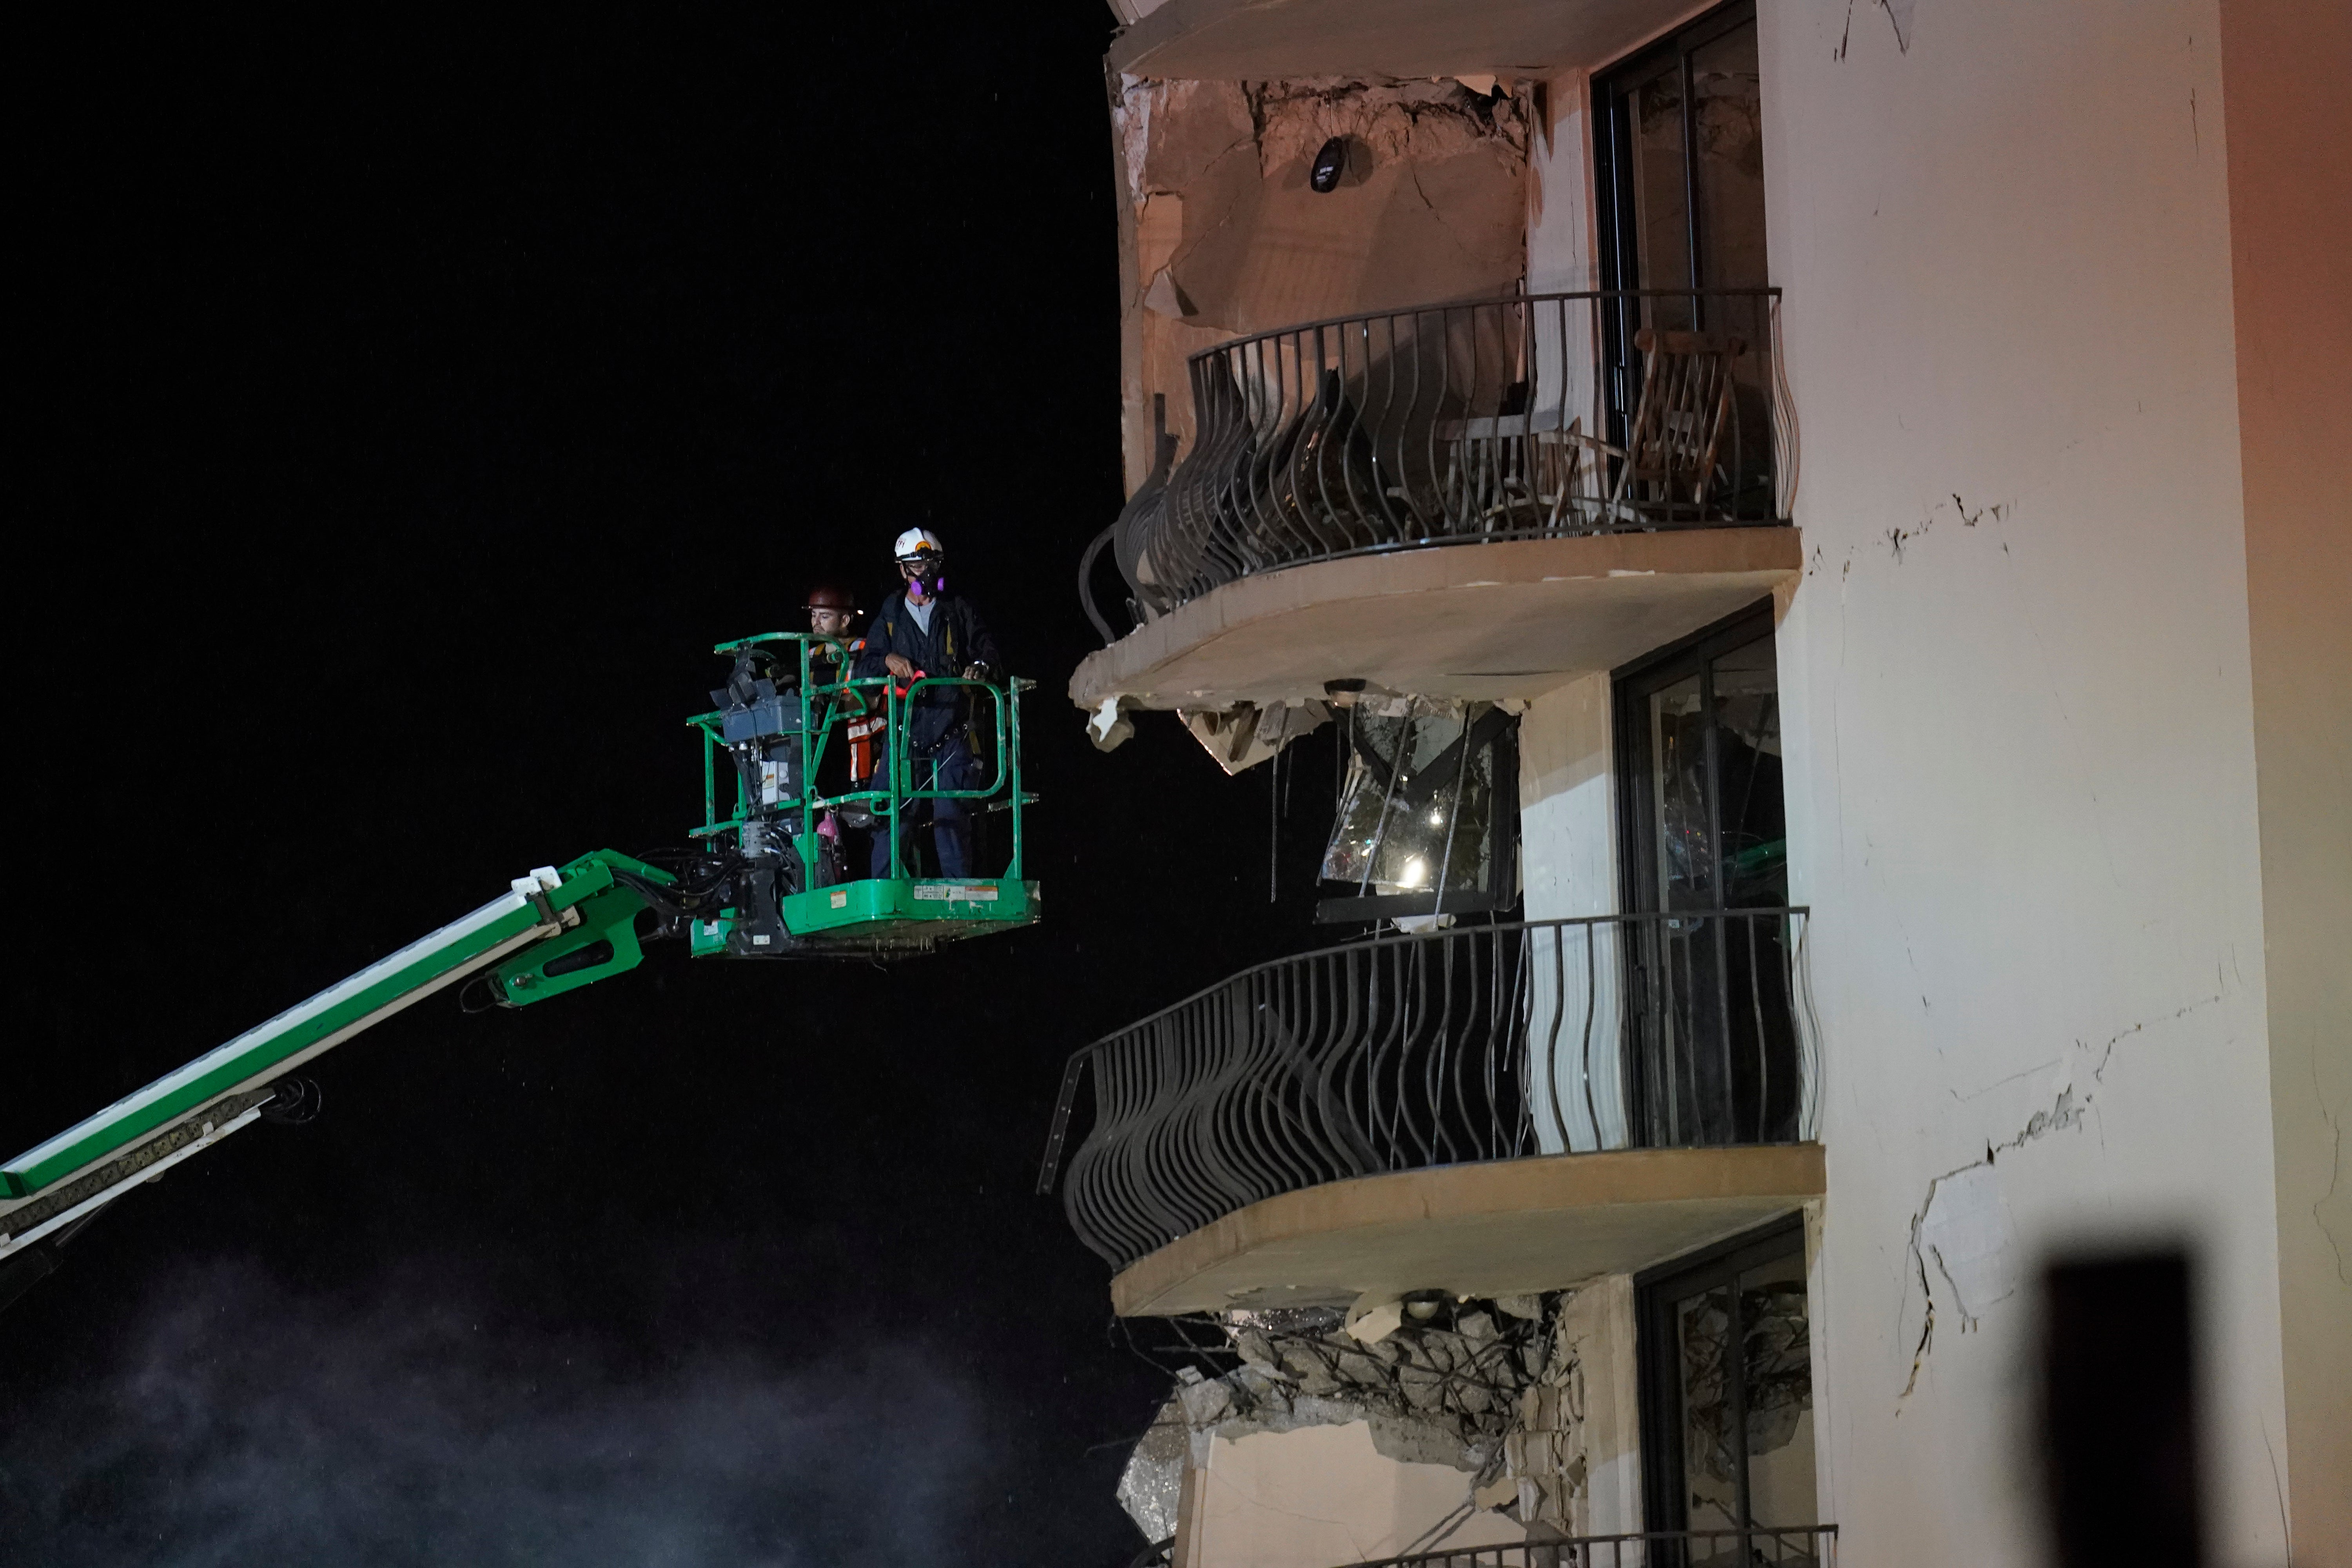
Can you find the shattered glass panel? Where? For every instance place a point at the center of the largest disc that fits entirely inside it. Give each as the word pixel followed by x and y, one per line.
pixel 1153 1482
pixel 1779 1393
pixel 1720 817
pixel 1710 1456
pixel 1747 1427
pixel 1416 806
pixel 1685 828
pixel 1748 775
pixel 1716 1045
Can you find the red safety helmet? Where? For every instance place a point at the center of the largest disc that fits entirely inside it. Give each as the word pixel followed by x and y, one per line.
pixel 833 597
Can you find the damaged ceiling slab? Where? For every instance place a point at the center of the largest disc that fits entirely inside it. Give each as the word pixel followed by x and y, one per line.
pixel 1495 1229
pixel 1510 619
pixel 1223 234
pixel 1249 39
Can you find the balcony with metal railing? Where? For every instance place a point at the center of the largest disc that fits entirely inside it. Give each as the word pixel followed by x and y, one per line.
pixel 1622 462
pixel 1759 1546
pixel 1490 1111
pixel 1788 1546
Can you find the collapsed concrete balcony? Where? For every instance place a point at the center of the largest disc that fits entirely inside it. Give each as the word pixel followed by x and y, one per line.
pixel 1488 1111
pixel 1476 501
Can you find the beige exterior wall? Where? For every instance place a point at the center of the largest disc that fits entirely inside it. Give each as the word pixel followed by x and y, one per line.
pixel 2028 715
pixel 1567 822
pixel 1560 249
pixel 2022 759
pixel 2288 120
pixel 2069 744
pixel 1319 1496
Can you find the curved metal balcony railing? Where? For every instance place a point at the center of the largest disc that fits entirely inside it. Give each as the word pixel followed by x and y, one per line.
pixel 1482 1043
pixel 1531 416
pixel 1758 1546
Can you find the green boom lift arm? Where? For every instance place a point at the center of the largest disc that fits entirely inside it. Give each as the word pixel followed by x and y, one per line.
pixel 585 912
pixel 766 880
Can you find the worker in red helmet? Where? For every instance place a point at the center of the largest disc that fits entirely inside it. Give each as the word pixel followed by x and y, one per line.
pixel 834 615
pixel 833 611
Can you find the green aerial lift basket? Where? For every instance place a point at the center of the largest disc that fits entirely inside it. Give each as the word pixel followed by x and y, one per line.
pixel 767 879
pixel 793 733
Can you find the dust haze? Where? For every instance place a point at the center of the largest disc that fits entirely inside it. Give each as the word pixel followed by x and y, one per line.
pixel 245 1421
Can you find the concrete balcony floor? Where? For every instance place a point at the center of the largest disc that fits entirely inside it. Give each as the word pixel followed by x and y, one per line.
pixel 1252 39
pixel 1503 1228
pixel 1512 618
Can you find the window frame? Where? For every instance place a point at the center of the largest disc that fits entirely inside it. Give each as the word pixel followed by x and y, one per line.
pixel 1497 899
pixel 1616 231
pixel 1657 1358
pixel 1630 687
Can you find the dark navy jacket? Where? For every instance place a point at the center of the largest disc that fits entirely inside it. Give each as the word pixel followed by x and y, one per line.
pixel 958 637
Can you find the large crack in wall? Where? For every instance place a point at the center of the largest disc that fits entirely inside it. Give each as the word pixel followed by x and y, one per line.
pixel 1961 1229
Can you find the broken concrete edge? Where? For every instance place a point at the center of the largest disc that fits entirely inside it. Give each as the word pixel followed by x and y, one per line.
pixel 1492 1387
pixel 1122 673
pixel 1787 1173
pixel 1412 1399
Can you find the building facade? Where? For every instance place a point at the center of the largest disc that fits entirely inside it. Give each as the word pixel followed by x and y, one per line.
pixel 1816 538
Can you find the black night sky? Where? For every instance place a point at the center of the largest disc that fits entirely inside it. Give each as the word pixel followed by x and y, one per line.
pixel 410 408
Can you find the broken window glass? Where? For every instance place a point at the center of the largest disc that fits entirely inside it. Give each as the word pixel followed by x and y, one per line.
pixel 1727 1364
pixel 1707 824
pixel 1729 1431
pixel 1417 806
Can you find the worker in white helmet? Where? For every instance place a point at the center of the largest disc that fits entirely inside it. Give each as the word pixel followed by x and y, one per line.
pixel 922 630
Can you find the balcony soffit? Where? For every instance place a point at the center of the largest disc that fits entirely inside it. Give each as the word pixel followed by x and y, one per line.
pixel 1504 1227
pixel 1483 621
pixel 1256 39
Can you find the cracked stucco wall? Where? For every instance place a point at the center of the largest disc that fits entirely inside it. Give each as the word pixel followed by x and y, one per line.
pixel 1220 235
pixel 2023 769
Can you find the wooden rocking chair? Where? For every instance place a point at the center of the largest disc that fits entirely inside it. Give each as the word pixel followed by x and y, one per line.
pixel 1668 465
pixel 1523 470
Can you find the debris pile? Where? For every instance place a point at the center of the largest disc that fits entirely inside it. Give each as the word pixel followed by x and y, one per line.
pixel 1487 1387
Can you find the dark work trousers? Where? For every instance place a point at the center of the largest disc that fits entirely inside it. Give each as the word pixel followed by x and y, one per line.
pixel 950 768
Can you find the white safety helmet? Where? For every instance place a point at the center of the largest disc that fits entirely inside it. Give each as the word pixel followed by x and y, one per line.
pixel 916 544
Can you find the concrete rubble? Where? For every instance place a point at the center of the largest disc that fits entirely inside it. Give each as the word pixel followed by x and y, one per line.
pixel 1488 1387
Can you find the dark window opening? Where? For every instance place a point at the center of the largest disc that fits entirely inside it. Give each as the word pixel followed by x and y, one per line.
pixel 1427 821
pixel 1679 148
pixel 1681 152
pixel 1727 1388
pixel 1711 1036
